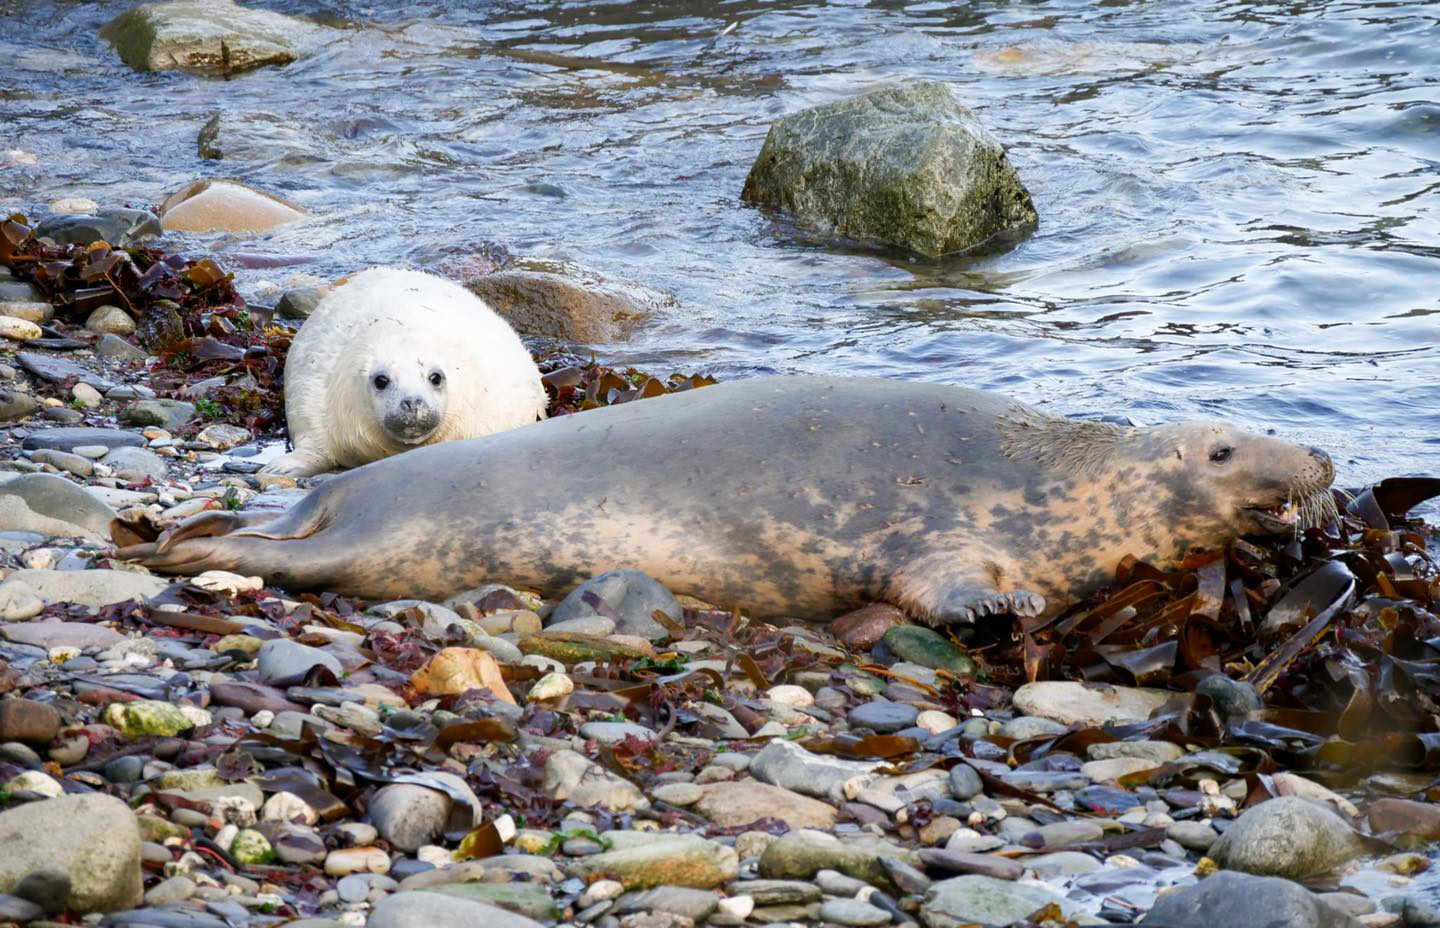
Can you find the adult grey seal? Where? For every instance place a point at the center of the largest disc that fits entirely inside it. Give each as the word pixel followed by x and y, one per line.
pixel 792 496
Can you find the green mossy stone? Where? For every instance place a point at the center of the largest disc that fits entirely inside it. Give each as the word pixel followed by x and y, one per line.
pixel 928 648
pixel 146 718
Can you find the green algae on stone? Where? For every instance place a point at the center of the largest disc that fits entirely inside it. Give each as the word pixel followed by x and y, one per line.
pixel 145 718
pixel 905 165
pixel 532 900
pixel 801 854
pixel 573 648
pixel 155 829
pixel 928 648
pixel 251 848
pixel 682 860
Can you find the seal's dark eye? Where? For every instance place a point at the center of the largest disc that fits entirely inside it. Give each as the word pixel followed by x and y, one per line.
pixel 1221 455
pixel 436 379
pixel 381 381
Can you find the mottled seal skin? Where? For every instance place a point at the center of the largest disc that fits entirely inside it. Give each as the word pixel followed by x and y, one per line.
pixel 794 496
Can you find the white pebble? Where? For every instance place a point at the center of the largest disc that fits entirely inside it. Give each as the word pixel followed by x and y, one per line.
pixel 737 906
pixel 18 329
pixel 223 581
pixel 75 206
pixel 797 697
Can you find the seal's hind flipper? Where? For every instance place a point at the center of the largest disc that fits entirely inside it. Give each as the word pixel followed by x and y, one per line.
pixel 966 605
pixel 212 524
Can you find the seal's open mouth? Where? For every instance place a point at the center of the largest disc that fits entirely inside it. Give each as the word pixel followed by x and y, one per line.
pixel 1302 509
pixel 1282 517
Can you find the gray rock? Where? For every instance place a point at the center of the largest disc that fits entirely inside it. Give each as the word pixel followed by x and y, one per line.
pixel 58 370
pixel 61 634
pixel 299 303
pixel 118 349
pixel 1288 837
pixel 15 405
pixel 571 775
pixel 92 838
pixel 792 892
pixel 48 504
pixel 567 301
pixel 853 912
pixel 1157 752
pixel 965 783
pixel 1192 836
pixel 906 165
pixel 165 414
pixel 47 889
pixel 694 904
pixel 214 38
pixel 426 910
pixel 788 765
pixel 409 816
pixel 120 226
pixel 1231 697
pixel 15 909
pixel 20 291
pixel 1026 727
pixel 965 900
pixel 68 439
pixel 283 662
pixel 629 597
pixel 64 460
pixel 1236 900
pixel 801 854
pixel 93 589
pixel 883 716
pixel 741 802
pixel 135 464
pixel 1070 702
pixel 615 732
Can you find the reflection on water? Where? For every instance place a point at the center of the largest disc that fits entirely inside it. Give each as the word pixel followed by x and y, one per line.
pixel 1238 200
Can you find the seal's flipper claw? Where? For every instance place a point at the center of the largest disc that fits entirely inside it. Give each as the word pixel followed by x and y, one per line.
pixel 966 605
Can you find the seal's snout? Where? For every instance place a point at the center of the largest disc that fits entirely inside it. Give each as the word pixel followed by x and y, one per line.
pixel 1324 466
pixel 412 420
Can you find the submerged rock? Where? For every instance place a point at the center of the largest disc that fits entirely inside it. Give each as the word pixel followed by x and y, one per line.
pixel 215 38
pixel 905 165
pixel 225 206
pixel 567 301
pixel 91 838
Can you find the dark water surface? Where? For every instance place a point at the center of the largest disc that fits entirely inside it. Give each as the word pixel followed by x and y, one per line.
pixel 1240 202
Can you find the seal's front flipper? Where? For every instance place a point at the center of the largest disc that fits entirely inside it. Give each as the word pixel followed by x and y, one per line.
pixel 941 589
pixel 966 604
pixel 210 525
pixel 302 462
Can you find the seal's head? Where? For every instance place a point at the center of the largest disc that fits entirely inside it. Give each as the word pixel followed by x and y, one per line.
pixel 1227 482
pixel 408 396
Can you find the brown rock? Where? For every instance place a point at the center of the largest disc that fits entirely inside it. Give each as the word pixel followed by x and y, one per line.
pixel 740 803
pixel 859 630
pixel 568 301
pixel 1001 868
pixel 1406 817
pixel 458 670
pixel 29 721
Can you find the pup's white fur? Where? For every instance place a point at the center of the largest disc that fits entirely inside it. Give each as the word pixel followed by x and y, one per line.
pixel 408 326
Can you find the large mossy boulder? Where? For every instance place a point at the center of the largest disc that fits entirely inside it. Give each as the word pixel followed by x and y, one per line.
pixel 906 165
pixel 215 38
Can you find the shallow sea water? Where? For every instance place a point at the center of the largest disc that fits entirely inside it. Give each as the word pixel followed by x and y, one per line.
pixel 1240 202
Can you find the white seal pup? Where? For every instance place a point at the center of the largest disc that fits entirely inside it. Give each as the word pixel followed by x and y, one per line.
pixel 392 359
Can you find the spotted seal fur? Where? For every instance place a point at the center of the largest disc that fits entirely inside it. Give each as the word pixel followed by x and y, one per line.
pixel 791 496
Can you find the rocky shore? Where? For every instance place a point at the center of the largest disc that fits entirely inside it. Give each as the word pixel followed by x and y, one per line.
pixel 194 752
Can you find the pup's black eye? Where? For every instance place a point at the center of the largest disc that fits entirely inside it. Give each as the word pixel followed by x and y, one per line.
pixel 1221 455
pixel 436 379
pixel 381 381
